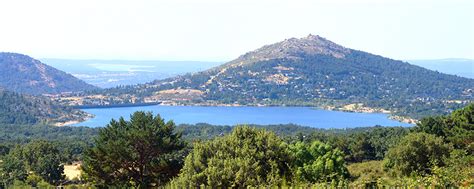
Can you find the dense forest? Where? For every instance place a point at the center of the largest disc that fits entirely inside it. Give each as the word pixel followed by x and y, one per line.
pixel 148 151
pixel 24 109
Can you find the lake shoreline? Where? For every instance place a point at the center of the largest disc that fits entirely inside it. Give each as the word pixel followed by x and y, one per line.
pixel 352 108
pixel 243 114
pixel 114 105
pixel 87 116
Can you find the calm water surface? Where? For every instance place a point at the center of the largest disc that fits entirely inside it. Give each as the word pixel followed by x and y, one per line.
pixel 305 116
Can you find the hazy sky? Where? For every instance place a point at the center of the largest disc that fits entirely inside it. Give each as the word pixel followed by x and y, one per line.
pixel 220 30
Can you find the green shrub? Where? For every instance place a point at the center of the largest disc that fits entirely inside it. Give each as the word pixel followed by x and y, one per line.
pixel 317 162
pixel 245 157
pixel 417 154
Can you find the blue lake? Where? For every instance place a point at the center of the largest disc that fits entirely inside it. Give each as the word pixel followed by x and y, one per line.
pixel 304 116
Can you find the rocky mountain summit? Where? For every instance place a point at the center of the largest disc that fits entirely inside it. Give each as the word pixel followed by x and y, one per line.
pixel 293 48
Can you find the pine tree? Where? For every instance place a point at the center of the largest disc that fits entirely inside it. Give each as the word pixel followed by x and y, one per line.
pixel 142 152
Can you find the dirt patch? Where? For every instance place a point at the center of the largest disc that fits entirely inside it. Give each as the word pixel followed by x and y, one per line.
pixel 72 171
pixel 181 91
pixel 278 79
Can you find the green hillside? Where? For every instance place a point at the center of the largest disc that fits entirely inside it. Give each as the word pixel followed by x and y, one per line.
pixel 23 74
pixel 24 109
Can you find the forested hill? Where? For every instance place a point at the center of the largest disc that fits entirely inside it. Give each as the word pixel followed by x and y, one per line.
pixel 23 74
pixel 24 109
pixel 312 71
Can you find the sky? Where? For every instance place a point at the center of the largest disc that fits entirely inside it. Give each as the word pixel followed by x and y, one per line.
pixel 221 30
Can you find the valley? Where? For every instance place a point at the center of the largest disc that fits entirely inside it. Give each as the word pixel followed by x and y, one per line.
pixel 310 72
pixel 330 94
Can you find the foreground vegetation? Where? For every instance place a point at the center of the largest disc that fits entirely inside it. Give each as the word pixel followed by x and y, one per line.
pixel 148 152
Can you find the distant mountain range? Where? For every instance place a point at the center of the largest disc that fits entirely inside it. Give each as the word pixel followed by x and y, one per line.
pixel 25 109
pixel 112 73
pixel 454 66
pixel 23 74
pixel 310 71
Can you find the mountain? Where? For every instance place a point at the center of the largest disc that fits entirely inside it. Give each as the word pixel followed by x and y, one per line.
pixel 310 71
pixel 23 74
pixel 25 109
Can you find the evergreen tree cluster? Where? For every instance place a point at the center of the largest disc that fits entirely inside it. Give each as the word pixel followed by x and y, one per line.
pixel 24 109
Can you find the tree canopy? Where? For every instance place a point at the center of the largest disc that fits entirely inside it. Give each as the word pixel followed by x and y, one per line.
pixel 417 153
pixel 40 158
pixel 246 157
pixel 318 162
pixel 142 152
pixel 457 128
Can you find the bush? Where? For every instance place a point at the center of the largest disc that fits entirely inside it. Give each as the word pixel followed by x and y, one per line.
pixel 369 171
pixel 35 160
pixel 246 157
pixel 417 154
pixel 318 162
pixel 458 171
pixel 457 128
